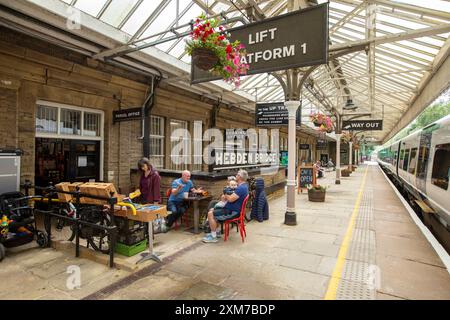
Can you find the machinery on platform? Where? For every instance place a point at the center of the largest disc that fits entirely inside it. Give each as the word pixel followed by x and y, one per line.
pixel 17 222
pixel 419 165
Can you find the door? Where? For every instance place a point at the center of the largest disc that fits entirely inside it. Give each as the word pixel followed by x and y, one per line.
pixel 422 160
pixel 83 161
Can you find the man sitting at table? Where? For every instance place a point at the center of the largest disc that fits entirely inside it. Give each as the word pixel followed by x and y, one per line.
pixel 232 208
pixel 176 204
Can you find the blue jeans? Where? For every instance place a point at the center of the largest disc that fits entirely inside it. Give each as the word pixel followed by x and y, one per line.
pixel 177 208
pixel 223 214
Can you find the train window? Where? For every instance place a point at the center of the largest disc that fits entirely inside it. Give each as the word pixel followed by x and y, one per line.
pixel 402 156
pixel 405 160
pixel 441 166
pixel 412 161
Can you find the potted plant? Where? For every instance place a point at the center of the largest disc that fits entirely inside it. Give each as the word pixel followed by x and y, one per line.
pixel 317 118
pixel 316 193
pixel 212 51
pixel 345 172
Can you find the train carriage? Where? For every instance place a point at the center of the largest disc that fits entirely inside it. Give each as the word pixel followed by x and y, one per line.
pixel 419 165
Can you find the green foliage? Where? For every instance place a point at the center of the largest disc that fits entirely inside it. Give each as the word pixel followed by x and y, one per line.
pixel 428 116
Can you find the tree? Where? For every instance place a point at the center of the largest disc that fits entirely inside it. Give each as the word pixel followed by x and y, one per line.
pixel 431 114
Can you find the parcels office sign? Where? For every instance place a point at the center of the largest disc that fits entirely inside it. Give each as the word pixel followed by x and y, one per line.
pixel 291 40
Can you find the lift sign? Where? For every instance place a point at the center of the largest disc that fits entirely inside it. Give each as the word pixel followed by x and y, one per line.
pixel 362 125
pixel 292 40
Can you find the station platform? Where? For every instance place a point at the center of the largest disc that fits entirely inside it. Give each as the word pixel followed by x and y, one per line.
pixel 360 244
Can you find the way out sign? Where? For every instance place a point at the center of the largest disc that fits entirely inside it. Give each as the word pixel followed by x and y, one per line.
pixel 362 125
pixel 292 40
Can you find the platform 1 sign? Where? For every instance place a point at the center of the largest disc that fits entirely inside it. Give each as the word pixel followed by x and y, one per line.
pixel 362 125
pixel 296 39
pixel 274 114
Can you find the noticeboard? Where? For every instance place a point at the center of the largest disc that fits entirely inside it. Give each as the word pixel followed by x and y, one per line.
pixel 306 175
pixel 303 146
pixel 296 39
pixel 274 114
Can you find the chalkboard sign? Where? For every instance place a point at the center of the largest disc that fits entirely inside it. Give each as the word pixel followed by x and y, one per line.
pixel 306 175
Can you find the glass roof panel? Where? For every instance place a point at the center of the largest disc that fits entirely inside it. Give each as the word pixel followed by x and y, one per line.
pixel 90 7
pixel 117 11
pixel 145 9
pixel 430 4
pixel 163 20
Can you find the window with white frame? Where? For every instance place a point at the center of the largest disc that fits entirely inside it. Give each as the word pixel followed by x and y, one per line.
pixel 91 124
pixel 179 160
pixel 47 119
pixel 55 120
pixel 70 122
pixel 157 141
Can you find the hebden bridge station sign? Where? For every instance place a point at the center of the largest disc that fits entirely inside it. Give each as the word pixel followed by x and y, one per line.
pixel 292 40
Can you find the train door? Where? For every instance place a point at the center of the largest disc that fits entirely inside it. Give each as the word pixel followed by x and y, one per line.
pixel 422 160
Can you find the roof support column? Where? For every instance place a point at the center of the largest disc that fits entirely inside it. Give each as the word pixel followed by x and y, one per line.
pixel 370 34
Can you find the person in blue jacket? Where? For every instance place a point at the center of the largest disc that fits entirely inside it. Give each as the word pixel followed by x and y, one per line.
pixel 232 208
pixel 176 204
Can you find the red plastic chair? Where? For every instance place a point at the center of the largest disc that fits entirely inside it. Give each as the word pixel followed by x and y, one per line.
pixel 239 221
pixel 184 216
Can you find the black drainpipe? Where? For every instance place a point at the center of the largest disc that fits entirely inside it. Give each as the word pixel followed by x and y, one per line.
pixel 146 111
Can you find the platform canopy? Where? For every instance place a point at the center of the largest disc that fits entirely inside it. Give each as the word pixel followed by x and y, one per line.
pixel 398 65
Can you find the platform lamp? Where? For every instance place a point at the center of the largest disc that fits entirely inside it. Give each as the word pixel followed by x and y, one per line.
pixel 349 105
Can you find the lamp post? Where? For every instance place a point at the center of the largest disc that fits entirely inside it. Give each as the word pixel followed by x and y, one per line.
pixel 338 158
pixel 350 156
pixel 291 216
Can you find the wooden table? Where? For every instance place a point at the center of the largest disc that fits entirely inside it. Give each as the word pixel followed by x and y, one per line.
pixel 195 201
pixel 145 215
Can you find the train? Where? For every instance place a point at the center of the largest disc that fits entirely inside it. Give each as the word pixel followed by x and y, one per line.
pixel 419 166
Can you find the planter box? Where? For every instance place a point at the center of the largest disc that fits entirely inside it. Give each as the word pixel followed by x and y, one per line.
pixel 316 196
pixel 345 173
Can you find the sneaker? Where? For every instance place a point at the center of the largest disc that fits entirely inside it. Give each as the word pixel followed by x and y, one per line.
pixel 218 234
pixel 209 239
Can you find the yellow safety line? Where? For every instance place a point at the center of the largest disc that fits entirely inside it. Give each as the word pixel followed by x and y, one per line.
pixel 337 272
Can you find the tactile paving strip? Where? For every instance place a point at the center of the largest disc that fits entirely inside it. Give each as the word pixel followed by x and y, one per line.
pixel 360 275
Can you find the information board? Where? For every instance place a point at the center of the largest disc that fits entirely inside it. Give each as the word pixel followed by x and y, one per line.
pixel 305 175
pixel 274 114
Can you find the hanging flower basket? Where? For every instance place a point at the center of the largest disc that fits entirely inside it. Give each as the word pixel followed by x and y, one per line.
pixel 212 51
pixel 323 122
pixel 317 118
pixel 347 137
pixel 204 58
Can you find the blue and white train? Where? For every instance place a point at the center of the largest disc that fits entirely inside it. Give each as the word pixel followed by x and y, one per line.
pixel 419 165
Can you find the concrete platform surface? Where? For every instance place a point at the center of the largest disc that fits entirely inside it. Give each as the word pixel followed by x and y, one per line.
pixel 360 244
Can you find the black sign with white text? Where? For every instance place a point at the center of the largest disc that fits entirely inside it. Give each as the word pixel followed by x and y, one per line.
pixel 292 40
pixel 362 125
pixel 229 159
pixel 304 146
pixel 127 114
pixel 274 114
